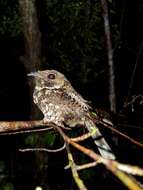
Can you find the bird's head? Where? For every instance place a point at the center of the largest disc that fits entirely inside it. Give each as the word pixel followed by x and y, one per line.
pixel 50 79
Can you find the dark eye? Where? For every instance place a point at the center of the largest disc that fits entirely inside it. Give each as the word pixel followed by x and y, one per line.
pixel 51 76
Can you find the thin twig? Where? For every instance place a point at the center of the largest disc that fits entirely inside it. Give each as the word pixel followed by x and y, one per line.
pixel 122 134
pixel 81 138
pixel 118 169
pixel 134 71
pixel 110 126
pixel 75 175
pixel 86 166
pixel 26 131
pixel 134 98
pixel 138 127
pixel 83 166
pixel 112 165
pixel 42 149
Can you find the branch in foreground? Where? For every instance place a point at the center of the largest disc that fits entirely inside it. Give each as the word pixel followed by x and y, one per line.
pixel 73 166
pixel 118 169
pixel 10 126
pixel 16 127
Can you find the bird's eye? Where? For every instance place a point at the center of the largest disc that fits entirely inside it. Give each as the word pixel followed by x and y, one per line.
pixel 51 76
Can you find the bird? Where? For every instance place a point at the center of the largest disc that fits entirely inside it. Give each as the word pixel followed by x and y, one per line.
pixel 62 105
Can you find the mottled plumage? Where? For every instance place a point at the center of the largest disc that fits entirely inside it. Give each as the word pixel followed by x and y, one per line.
pixel 62 105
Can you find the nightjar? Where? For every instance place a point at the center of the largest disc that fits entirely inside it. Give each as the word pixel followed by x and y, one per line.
pixel 62 105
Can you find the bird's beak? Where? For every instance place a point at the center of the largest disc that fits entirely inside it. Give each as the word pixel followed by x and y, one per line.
pixel 33 74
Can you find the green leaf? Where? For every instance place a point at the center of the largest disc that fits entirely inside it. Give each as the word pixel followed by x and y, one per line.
pixel 49 138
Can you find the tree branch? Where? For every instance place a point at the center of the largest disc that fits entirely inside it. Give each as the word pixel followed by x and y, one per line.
pixel 121 171
pixel 115 167
pixel 73 167
pixel 20 126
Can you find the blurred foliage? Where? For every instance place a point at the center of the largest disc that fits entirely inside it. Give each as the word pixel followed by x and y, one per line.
pixel 10 20
pixel 82 26
pixel 47 139
pixel 7 186
pixel 72 33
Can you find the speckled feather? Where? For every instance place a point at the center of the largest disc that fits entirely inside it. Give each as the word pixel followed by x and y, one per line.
pixel 61 104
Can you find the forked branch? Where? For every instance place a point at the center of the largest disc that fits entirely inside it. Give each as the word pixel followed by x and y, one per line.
pixel 121 171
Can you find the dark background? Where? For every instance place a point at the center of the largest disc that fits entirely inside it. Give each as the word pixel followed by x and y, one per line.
pixel 73 42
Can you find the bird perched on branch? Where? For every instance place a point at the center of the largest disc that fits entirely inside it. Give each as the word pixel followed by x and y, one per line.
pixel 62 105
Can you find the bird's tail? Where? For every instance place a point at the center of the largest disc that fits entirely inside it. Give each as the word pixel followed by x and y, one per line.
pixel 99 140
